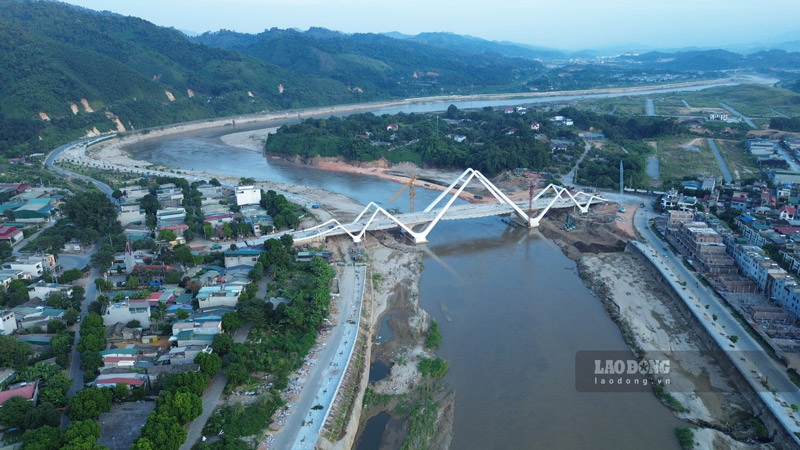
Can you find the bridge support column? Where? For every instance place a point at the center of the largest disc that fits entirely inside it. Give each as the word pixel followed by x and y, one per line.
pixel 533 222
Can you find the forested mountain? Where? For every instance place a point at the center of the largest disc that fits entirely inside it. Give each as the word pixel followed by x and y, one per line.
pixel 53 56
pixel 378 65
pixel 461 43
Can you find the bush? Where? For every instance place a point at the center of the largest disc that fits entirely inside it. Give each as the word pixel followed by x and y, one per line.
pixel 433 367
pixel 434 336
pixel 685 437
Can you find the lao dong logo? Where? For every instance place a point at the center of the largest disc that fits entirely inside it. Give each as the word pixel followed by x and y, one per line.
pixel 631 367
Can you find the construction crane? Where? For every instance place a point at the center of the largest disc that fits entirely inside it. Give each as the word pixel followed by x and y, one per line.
pixel 409 184
pixel 531 190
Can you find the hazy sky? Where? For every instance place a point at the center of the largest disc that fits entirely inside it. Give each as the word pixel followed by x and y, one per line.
pixel 574 24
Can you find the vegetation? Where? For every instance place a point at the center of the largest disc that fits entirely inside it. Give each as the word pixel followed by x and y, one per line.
pixel 78 435
pixel 668 399
pixel 685 437
pixel 238 420
pixel 433 367
pixel 434 339
pixel 89 403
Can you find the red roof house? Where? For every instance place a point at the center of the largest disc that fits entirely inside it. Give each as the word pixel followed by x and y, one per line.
pixel 29 392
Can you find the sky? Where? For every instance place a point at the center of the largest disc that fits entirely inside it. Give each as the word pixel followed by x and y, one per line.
pixel 567 25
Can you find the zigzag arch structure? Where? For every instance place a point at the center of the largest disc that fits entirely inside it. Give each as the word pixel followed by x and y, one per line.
pixel 375 217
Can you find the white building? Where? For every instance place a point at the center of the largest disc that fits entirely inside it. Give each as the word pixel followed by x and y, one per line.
pixel 248 195
pixel 8 322
pixel 124 312
pixel 221 295
pixel 31 266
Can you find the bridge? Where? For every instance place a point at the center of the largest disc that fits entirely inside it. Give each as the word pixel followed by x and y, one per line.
pixel 373 217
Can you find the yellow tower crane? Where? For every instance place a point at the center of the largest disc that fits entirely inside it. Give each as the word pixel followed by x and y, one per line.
pixel 409 184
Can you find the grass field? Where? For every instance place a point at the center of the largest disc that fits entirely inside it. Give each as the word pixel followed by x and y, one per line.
pixel 741 164
pixel 749 99
pixel 677 161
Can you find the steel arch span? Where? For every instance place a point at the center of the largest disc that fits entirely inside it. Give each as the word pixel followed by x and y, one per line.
pixel 374 217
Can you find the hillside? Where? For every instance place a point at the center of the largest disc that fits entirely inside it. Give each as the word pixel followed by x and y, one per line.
pixel 65 71
pixel 378 65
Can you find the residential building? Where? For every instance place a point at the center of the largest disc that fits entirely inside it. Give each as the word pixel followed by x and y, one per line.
pixel 248 195
pixel 124 312
pixel 31 266
pixel 242 257
pixel 28 391
pixel 8 322
pixel 11 234
pixel 220 295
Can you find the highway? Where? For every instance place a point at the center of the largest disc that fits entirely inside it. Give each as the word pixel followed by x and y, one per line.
pixel 53 156
pixel 302 427
pixel 722 166
pixel 747 354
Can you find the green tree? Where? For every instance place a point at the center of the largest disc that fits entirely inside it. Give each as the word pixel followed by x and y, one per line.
pixel 71 316
pixel 166 235
pixel 13 412
pixel 14 353
pixel 54 326
pixel 222 343
pixel 89 403
pixel 132 282
pixel 54 390
pixel 183 254
pixel 210 363
pixel 44 438
pixel 44 414
pixel 149 203
pixel 182 314
pixel 227 231
pixel 231 322
pixel 94 211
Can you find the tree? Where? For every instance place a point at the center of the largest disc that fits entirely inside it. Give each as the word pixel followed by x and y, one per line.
pixel 71 316
pixel 181 314
pixel 44 414
pixel 149 203
pixel 13 412
pixel 134 324
pixel 44 438
pixel 210 363
pixel 166 235
pixel 14 353
pixel 132 282
pixel 227 231
pixel 164 431
pixel 231 322
pixel 94 211
pixel 214 182
pixel 90 362
pixel 54 326
pixel 208 230
pixel 54 390
pixel 89 403
pixel 183 254
pixel 222 343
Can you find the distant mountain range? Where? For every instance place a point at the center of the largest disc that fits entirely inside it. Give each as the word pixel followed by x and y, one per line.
pixel 66 71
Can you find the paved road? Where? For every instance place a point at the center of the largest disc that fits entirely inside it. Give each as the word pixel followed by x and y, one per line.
pixel 211 397
pixel 736 113
pixel 49 162
pixel 75 372
pixel 650 107
pixel 747 354
pixel 653 170
pixel 569 179
pixel 780 113
pixel 687 105
pixel 788 158
pixel 726 174
pixel 302 427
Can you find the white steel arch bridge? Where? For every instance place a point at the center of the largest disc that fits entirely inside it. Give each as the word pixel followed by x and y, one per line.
pixel 373 217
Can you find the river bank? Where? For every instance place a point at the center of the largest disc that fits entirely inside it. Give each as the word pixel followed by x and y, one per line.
pixel 702 393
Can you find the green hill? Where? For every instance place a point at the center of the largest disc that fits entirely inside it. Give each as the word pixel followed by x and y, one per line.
pixel 54 55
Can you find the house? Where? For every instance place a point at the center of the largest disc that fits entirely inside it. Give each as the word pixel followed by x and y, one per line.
pixel 459 138
pixel 535 126
pixel 28 391
pixel 159 372
pixel 216 296
pixel 787 212
pixel 124 312
pixel 11 234
pixel 43 290
pixel 248 195
pixel 718 116
pixel 8 322
pixel 392 127
pixel 31 266
pixel 242 257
